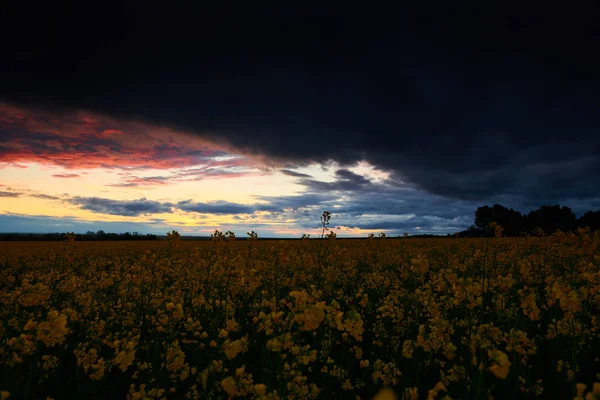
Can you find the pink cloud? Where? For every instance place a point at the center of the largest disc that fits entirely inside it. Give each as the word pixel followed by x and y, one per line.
pixel 112 132
pixel 12 165
pixel 66 175
pixel 88 120
pixel 81 140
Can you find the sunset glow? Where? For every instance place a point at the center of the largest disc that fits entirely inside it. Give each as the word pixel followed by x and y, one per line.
pixel 72 170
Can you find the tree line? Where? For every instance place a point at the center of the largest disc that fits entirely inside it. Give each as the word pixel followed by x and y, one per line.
pixel 80 237
pixel 545 220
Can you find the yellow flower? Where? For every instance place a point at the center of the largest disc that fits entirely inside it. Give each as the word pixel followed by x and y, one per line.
pixel 175 358
pixel 407 349
pixel 239 372
pixel 310 318
pixel 125 357
pixel 413 393
pixel 53 330
pixel 178 312
pixel 260 389
pixel 434 392
pixel 232 349
pixel 501 365
pixel 30 325
pixel 5 394
pixel 300 296
pixel 228 385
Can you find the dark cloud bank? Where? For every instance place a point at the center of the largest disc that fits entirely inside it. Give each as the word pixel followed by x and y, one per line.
pixel 464 103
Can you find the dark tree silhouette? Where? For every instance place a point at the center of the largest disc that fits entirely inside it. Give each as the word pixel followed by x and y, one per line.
pixel 551 219
pixel 512 221
pixel 590 219
pixel 88 236
pixel 548 218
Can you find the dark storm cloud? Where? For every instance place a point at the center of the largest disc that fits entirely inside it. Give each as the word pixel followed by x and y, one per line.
pixel 129 208
pixel 354 195
pixel 400 202
pixel 345 180
pixel 467 101
pixel 392 206
pixel 357 202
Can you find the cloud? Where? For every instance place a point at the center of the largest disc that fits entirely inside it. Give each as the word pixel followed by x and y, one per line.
pixel 295 174
pixel 66 175
pixel 26 192
pixel 77 140
pixel 129 208
pixel 357 203
pixel 215 207
pixel 223 168
pixel 136 181
pixel 346 180
pixel 300 201
pixel 457 117
pixel 4 193
pixel 411 223
pixel 210 168
pixel 223 207
pixel 43 196
pixel 144 206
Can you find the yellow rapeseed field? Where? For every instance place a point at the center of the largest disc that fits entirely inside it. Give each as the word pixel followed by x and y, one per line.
pixel 501 318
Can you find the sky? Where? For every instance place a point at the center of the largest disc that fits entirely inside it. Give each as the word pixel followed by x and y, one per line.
pixel 131 117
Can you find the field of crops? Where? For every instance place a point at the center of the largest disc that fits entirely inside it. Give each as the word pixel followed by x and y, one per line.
pixel 503 318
